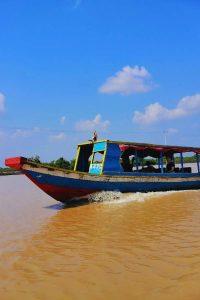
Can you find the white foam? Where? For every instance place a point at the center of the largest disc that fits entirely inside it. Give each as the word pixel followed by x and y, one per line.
pixel 116 197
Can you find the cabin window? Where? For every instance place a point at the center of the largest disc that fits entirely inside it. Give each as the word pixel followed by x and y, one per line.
pixel 138 161
pixel 186 162
pixel 158 162
pixel 190 163
pixel 126 161
pixel 84 157
pixel 98 157
pixel 147 161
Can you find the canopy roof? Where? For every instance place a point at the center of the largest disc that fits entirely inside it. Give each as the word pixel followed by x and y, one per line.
pixel 145 146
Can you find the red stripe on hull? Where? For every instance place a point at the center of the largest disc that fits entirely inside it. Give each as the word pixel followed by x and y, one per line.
pixel 61 193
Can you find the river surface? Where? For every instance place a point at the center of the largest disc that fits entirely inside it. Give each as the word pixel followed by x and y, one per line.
pixel 133 246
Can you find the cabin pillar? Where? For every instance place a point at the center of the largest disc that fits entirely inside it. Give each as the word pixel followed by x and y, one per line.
pixel 158 162
pixel 161 162
pixel 181 159
pixel 136 159
pixel 198 166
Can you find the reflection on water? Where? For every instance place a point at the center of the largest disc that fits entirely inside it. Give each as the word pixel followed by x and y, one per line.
pixel 131 246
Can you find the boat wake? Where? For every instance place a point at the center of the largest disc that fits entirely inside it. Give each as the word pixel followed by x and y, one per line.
pixel 118 197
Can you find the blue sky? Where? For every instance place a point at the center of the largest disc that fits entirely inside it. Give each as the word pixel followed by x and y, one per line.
pixel 129 69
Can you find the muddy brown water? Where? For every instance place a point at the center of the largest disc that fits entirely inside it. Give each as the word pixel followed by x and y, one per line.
pixel 133 246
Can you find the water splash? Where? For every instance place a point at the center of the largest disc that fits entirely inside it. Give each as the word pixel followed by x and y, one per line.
pixel 115 197
pixel 105 196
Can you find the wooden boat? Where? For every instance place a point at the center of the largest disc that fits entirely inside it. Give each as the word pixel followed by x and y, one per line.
pixel 106 166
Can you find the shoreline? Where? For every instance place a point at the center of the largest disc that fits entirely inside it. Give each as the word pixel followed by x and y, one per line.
pixel 10 173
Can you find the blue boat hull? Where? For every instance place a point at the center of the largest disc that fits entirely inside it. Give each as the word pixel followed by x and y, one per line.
pixel 64 188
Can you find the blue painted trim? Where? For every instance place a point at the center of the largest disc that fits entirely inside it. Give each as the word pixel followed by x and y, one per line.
pixel 101 146
pixel 112 158
pixel 136 160
pixel 95 168
pixel 161 162
pixel 172 175
pixel 181 157
pixel 158 162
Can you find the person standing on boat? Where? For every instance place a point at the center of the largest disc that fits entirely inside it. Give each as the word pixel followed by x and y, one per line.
pixel 95 136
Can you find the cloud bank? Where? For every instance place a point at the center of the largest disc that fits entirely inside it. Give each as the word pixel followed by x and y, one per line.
pixel 96 124
pixel 25 133
pixel 156 112
pixel 58 137
pixel 130 80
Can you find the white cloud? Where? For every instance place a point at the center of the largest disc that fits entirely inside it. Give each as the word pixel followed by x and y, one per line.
pixel 62 120
pixel 36 129
pixel 58 137
pixel 171 130
pixel 156 112
pixel 2 102
pixel 130 80
pixel 21 133
pixel 96 124
pixel 25 133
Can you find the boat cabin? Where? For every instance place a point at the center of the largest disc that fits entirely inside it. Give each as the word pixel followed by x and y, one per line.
pixel 125 158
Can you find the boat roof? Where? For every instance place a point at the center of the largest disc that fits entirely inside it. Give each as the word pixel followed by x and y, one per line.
pixel 145 146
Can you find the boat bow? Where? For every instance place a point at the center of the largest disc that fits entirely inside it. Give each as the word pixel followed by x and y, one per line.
pixel 60 184
pixel 16 163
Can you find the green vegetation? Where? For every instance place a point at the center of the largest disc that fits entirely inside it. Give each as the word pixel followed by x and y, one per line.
pixel 59 163
pixel 8 171
pixel 36 159
pixel 188 159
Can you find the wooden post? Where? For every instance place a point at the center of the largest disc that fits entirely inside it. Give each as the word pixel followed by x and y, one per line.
pixel 198 166
pixel 181 158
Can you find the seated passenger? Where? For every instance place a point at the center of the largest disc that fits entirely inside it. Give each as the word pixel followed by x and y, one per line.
pixel 170 167
pixel 126 164
pixel 149 167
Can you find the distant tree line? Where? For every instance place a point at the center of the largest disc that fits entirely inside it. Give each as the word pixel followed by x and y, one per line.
pixel 8 171
pixel 69 164
pixel 58 163
pixel 187 159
